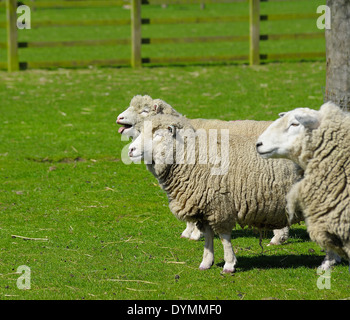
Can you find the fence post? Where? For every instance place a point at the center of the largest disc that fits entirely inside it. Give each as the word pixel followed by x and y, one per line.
pixel 136 24
pixel 12 38
pixel 254 32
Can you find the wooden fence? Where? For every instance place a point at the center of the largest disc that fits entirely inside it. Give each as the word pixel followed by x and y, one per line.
pixel 136 41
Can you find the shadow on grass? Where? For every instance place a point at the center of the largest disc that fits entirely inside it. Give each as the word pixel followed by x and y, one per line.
pixel 298 235
pixel 280 261
pixel 265 262
pixel 287 261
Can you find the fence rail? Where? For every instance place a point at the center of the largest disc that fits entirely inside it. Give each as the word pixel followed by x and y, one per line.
pixel 136 41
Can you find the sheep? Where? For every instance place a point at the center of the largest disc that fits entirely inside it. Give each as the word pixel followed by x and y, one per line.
pixel 319 142
pixel 142 107
pixel 247 190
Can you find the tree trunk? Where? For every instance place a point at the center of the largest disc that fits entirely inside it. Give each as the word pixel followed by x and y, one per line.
pixel 338 54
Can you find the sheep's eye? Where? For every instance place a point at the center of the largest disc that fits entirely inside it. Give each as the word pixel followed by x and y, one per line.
pixel 294 124
pixel 171 129
pixel 144 111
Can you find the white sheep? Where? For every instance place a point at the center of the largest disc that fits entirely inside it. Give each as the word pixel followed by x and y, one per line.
pixel 247 190
pixel 319 142
pixel 143 107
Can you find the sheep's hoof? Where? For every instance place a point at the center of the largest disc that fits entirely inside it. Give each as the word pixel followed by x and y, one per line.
pixel 229 267
pixel 185 235
pixel 229 270
pixel 275 243
pixel 204 266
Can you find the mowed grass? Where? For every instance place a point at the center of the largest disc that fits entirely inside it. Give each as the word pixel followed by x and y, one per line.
pixel 166 30
pixel 102 229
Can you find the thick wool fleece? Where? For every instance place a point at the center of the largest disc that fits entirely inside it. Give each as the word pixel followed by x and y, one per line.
pixel 252 192
pixel 155 106
pixel 324 193
pixel 141 101
pixel 248 128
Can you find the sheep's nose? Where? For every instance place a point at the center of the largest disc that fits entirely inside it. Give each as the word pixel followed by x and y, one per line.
pixel 131 151
pixel 259 144
pixel 119 118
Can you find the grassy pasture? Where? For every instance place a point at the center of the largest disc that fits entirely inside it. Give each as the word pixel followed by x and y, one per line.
pixel 107 224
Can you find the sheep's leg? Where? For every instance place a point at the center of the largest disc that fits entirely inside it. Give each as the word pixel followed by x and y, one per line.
pixel 191 232
pixel 208 255
pixel 196 234
pixel 330 260
pixel 190 226
pixel 279 236
pixel 229 255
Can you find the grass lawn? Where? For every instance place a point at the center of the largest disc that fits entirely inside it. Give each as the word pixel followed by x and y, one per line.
pixel 103 228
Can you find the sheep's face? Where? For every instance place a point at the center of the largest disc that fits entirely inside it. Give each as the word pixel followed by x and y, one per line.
pixel 128 119
pixel 154 145
pixel 139 110
pixel 282 138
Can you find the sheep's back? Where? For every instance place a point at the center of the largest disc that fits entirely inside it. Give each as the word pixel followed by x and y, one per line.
pixel 238 127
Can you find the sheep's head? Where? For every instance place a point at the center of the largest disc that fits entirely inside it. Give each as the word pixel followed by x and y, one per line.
pixel 138 109
pixel 141 108
pixel 283 138
pixel 158 139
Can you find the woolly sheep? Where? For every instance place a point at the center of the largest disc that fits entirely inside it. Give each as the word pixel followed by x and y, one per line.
pixel 250 192
pixel 319 142
pixel 142 107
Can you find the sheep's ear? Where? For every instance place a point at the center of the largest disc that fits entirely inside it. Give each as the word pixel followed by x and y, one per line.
pixel 172 130
pixel 308 121
pixel 281 114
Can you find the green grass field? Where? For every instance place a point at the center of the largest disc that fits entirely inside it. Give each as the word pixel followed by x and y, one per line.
pixel 110 234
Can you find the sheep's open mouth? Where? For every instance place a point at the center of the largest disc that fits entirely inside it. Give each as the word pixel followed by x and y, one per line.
pixel 124 127
pixel 266 154
pixel 136 159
